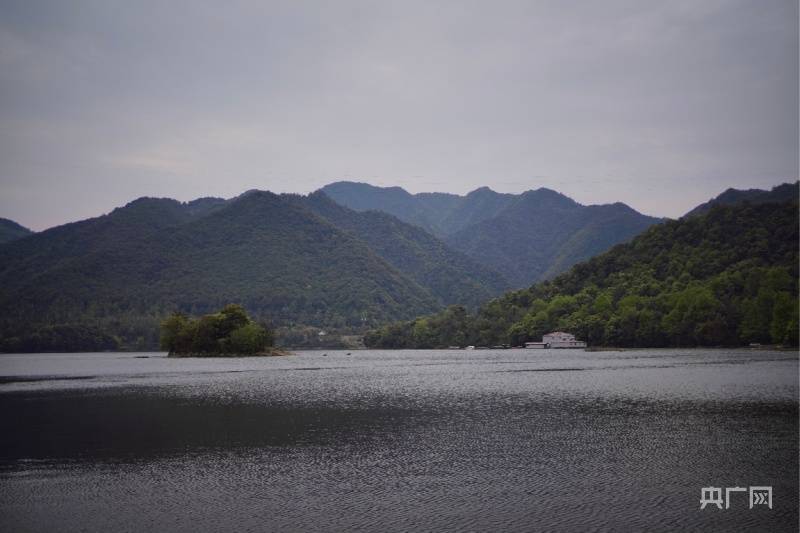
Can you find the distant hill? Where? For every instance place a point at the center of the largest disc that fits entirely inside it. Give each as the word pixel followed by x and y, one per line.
pixel 425 210
pixel 725 278
pixel 477 206
pixel 289 260
pixel 11 231
pixel 526 237
pixel 450 276
pixel 543 233
pixel 439 213
pixel 786 192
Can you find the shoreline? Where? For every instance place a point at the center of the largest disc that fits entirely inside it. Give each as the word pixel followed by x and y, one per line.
pixel 273 352
pixel 278 352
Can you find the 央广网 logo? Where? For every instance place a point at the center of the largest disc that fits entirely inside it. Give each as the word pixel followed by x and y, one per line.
pixel 713 496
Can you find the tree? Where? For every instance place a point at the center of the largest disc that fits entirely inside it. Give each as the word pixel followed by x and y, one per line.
pixel 248 339
pixel 171 329
pixel 784 311
pixel 233 317
pixel 228 332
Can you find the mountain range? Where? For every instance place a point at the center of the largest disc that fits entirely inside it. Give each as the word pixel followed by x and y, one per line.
pixel 300 263
pixel 291 260
pixel 525 237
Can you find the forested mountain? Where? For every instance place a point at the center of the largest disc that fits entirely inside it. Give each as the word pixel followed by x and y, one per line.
pixel 451 277
pixel 11 231
pixel 543 233
pixel 477 206
pixel 439 213
pixel 786 192
pixel 527 237
pixel 729 277
pixel 289 260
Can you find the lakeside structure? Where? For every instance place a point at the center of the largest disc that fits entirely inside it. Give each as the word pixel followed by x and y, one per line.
pixel 556 339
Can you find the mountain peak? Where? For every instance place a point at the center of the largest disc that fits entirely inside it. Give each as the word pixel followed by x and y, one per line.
pixel 147 207
pixel 785 192
pixel 149 201
pixel 11 231
pixel 545 195
pixel 481 191
pixel 361 187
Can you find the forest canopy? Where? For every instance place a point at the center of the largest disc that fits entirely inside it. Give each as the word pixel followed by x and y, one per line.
pixel 727 278
pixel 227 332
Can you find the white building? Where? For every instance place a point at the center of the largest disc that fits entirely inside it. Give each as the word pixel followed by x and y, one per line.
pixel 559 339
pixel 536 345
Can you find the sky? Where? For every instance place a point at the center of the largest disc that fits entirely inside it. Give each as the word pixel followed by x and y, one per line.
pixel 661 105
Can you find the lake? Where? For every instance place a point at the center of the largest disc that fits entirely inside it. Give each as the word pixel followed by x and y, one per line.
pixel 507 440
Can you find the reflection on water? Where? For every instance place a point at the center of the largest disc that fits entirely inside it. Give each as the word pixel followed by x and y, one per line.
pixel 397 441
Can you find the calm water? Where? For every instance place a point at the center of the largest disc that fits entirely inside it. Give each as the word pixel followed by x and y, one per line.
pixel 508 440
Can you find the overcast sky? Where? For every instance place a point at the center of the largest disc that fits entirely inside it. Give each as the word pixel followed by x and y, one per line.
pixel 659 104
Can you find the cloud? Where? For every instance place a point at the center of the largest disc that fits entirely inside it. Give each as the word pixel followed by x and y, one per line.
pixel 658 104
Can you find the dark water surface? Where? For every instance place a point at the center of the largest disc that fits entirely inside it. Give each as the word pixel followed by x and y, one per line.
pixel 508 440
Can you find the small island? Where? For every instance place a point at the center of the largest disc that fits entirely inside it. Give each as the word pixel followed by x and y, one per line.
pixel 227 333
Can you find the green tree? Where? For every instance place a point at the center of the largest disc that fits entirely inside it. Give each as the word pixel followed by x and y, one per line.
pixel 233 317
pixel 248 339
pixel 171 329
pixel 783 311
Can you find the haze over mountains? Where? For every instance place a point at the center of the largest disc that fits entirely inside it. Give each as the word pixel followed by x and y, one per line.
pixel 526 237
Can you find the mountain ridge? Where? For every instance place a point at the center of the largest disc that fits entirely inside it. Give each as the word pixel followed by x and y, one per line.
pixel 525 237
pixel 287 258
pixel 778 194
pixel 11 231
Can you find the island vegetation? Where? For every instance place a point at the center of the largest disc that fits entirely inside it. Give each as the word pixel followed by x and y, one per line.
pixel 227 333
pixel 726 278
